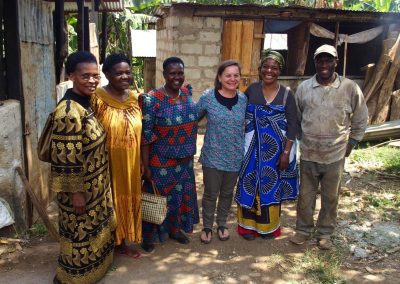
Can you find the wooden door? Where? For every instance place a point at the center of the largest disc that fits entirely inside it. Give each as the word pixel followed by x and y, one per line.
pixel 243 41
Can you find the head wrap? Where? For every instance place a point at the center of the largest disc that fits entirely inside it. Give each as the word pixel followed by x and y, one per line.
pixel 272 54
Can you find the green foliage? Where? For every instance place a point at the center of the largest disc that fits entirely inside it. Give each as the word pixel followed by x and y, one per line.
pixel 385 158
pixel 38 230
pixel 322 267
pixel 385 201
pixel 137 71
pixel 72 23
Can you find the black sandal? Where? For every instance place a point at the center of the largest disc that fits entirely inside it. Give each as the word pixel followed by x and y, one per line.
pixel 207 231
pixel 222 230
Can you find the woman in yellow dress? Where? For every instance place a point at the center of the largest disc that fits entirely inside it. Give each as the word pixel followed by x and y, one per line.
pixel 116 107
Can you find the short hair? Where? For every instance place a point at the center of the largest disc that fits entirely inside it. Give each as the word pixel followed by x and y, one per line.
pixel 172 60
pixel 114 59
pixel 221 69
pixel 78 57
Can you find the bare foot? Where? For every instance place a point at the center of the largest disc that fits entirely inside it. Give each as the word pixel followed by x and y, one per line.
pixel 206 236
pixel 126 251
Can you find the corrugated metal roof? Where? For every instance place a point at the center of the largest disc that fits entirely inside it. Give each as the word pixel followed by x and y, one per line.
pixel 105 5
pixel 162 9
pixel 35 22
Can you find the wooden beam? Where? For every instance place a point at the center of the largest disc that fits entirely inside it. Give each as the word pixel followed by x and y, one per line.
pixel 86 33
pixel 337 24
pixel 59 35
pixel 3 81
pixel 80 25
pixel 103 37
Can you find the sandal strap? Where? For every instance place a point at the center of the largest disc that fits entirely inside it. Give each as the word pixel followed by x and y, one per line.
pixel 222 229
pixel 207 231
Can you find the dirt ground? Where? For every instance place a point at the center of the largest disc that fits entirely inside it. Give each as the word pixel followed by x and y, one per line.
pixel 233 261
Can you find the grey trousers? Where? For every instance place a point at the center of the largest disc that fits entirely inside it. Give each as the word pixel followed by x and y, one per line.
pixel 217 185
pixel 312 175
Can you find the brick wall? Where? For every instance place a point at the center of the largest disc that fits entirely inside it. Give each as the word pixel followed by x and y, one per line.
pixel 197 41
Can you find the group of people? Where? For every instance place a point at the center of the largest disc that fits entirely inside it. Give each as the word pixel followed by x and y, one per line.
pixel 109 144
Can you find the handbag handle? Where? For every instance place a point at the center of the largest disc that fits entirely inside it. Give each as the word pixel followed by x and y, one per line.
pixel 153 186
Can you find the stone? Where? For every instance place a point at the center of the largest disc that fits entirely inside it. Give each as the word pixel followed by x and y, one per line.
pixel 191 48
pixel 210 36
pixel 212 49
pixel 213 22
pixel 208 61
pixel 192 74
pixel 210 73
pixel 191 22
pixel 172 21
pixel 360 253
pixel 189 60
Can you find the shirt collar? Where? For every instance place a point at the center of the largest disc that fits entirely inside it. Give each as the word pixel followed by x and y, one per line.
pixel 335 84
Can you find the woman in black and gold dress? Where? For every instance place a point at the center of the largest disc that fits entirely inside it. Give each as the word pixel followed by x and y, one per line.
pixel 80 176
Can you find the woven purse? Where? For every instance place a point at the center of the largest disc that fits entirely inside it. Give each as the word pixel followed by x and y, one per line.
pixel 154 206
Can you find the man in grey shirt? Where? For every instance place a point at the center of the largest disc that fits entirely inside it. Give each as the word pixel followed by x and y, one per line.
pixel 333 117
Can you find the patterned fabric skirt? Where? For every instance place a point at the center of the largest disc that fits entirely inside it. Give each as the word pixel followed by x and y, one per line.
pixel 178 184
pixel 264 220
pixel 86 241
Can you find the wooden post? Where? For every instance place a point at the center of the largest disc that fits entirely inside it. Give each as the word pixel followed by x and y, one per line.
pixel 86 31
pixel 345 56
pixel 38 205
pixel 336 34
pixel 103 36
pixel 381 69
pixel 395 106
pixel 59 37
pixel 382 107
pixel 80 26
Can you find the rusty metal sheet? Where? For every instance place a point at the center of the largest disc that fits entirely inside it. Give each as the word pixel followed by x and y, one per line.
pixel 38 83
pixel 35 21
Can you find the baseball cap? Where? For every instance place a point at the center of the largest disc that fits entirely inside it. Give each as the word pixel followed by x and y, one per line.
pixel 326 48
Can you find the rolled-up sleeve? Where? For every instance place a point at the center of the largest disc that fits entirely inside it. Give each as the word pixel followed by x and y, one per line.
pixel 149 109
pixel 359 119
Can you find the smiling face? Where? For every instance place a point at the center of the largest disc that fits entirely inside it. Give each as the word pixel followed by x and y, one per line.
pixel 120 76
pixel 270 71
pixel 174 76
pixel 230 78
pixel 85 78
pixel 325 65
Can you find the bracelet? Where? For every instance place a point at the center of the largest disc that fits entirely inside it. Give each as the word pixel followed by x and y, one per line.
pixel 286 152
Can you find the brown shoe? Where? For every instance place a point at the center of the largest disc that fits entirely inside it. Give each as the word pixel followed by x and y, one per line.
pixel 299 239
pixel 325 244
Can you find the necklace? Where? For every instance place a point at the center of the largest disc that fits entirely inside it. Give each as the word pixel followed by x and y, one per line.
pixel 266 97
pixel 172 97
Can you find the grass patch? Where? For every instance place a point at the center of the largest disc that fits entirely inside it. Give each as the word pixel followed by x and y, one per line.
pixel 321 266
pixel 384 201
pixel 386 158
pixel 38 230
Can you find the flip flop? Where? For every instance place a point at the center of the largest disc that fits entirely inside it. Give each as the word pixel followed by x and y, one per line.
pixel 129 253
pixel 207 231
pixel 221 229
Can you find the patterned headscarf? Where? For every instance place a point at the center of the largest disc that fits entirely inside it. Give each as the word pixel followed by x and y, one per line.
pixel 272 54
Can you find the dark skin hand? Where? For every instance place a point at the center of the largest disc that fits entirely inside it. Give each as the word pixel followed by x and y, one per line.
pixel 349 148
pixel 79 202
pixel 144 151
pixel 283 162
